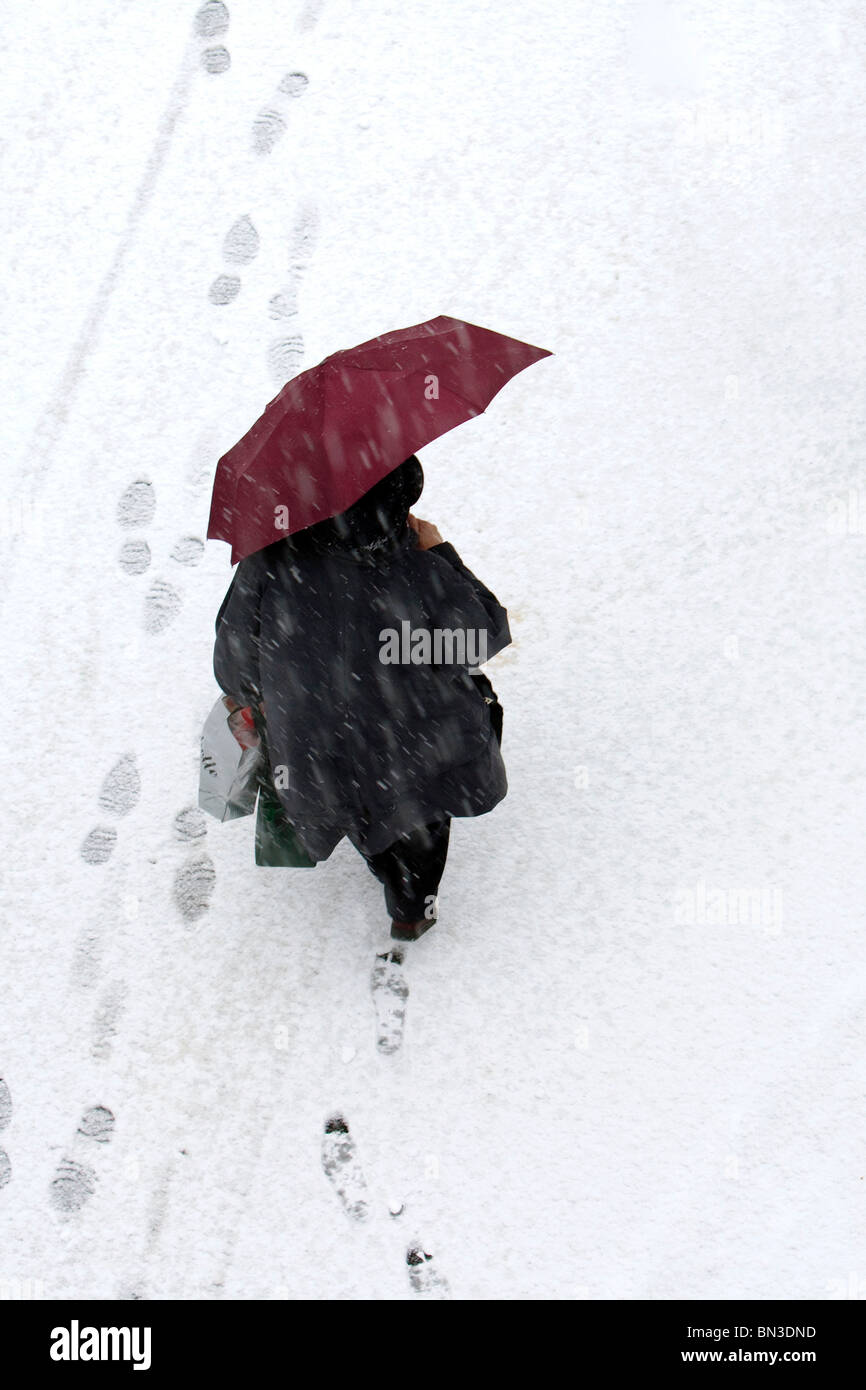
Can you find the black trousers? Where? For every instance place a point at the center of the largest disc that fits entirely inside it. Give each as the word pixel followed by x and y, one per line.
pixel 410 870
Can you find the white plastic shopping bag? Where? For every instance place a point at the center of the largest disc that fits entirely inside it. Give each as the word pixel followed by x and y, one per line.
pixel 228 776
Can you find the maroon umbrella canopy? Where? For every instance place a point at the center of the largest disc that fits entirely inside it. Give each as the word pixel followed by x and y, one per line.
pixel 338 428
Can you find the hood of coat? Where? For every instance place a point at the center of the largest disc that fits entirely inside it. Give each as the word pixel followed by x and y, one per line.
pixel 374 527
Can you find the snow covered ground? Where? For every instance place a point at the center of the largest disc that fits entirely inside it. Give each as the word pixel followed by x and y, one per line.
pixel 634 1057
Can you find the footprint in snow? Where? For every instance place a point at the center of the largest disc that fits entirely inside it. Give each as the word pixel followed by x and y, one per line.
pixel 286 353
pixel 309 16
pixel 121 787
pixel 208 446
pixel 425 1279
pixel 193 886
pixel 162 603
pixel 224 289
pixel 118 795
pixel 216 60
pixel 343 1169
pixel 270 123
pixel 188 550
pixel 189 825
pixel 134 556
pixel 240 247
pixel 194 880
pixel 5 1117
pixel 390 992
pixel 135 509
pixel 106 1018
pixel 87 960
pixel 98 844
pixel 212 20
pixel 75 1180
pixel 136 505
pixel 286 357
pixel 241 242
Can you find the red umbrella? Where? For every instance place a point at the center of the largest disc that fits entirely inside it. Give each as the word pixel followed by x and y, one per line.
pixel 338 428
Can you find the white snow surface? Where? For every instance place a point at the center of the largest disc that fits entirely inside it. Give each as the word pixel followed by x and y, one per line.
pixel 600 1095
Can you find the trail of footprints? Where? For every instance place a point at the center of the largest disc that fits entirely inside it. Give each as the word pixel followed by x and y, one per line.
pixel 340 1160
pixel 390 991
pixel 241 245
pixel 195 879
pixel 193 884
pixel 77 1175
pixel 135 510
pixel 119 793
pixel 76 1178
pixel 342 1168
pixel 211 21
pixel 286 352
pixel 269 125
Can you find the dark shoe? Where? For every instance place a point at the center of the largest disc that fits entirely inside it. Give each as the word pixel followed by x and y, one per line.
pixel 410 931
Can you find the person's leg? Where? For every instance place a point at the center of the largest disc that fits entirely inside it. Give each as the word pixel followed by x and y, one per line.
pixel 410 871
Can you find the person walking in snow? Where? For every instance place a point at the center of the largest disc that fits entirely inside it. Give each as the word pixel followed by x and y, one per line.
pixel 354 644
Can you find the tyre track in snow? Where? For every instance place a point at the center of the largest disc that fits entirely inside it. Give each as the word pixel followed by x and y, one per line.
pixel 76 1178
pixel 222 1128
pixel 211 19
pixel 55 414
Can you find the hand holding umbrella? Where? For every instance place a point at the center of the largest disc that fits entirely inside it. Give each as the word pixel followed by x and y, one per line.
pixel 428 534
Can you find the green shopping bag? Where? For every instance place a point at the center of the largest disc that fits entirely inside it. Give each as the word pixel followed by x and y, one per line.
pixel 276 845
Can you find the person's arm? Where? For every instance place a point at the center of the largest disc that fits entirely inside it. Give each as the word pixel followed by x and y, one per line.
pixel 430 539
pixel 236 650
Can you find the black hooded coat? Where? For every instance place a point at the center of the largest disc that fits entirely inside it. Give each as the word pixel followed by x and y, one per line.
pixel 359 746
